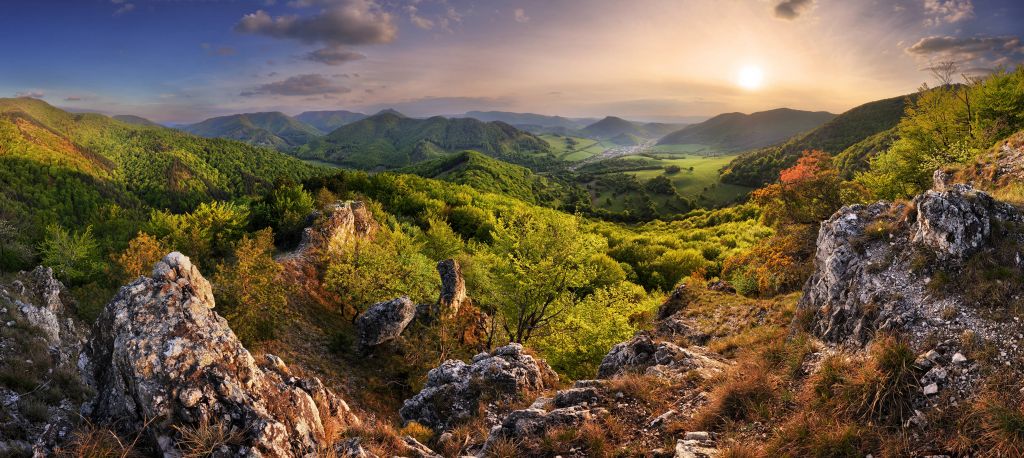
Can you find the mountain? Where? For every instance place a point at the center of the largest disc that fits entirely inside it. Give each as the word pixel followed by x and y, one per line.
pixel 532 122
pixel 389 140
pixel 272 129
pixel 487 174
pixel 326 121
pixel 738 131
pixel 64 168
pixel 863 131
pixel 136 120
pixel 612 126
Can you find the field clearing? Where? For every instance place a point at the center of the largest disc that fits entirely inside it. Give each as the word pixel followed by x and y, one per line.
pixel 584 148
pixel 703 179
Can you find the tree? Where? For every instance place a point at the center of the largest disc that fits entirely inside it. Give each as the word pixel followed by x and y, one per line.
pixel 13 253
pixel 807 193
pixel 249 291
pixel 542 258
pixel 140 256
pixel 285 211
pixel 74 256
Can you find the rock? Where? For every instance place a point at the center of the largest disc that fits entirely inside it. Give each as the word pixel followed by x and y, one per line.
pixel 694 449
pixel 352 448
pixel 576 396
pixel 522 424
pixel 45 303
pixel 697 436
pixel 721 286
pixel 339 224
pixel 957 222
pixel 642 353
pixel 454 389
pixel 959 358
pixel 660 419
pixel 160 359
pixel 384 321
pixel 676 327
pixel 931 389
pixel 676 302
pixel 453 287
pixel 415 449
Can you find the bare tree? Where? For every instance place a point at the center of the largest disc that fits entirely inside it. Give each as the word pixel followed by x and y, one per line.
pixel 945 72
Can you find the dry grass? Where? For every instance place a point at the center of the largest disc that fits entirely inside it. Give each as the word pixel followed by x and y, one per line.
pixel 651 390
pixel 811 435
pixel 417 431
pixel 994 423
pixel 91 441
pixel 202 440
pixel 747 394
pixel 503 448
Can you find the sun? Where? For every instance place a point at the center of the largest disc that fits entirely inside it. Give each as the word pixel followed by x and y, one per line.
pixel 750 77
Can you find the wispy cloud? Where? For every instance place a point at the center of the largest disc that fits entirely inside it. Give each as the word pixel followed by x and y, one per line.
pixel 792 9
pixel 333 55
pixel 122 7
pixel 520 15
pixel 35 94
pixel 949 11
pixel 310 84
pixel 345 22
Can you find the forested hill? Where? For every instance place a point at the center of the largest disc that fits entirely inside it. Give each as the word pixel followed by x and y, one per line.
pixel 854 135
pixel 71 169
pixel 389 140
pixel 738 131
pixel 326 121
pixel 487 174
pixel 612 127
pixel 272 129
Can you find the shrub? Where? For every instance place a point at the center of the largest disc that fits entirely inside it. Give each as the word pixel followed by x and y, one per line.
pixel 746 395
pixel 882 389
pixel 142 253
pixel 74 256
pixel 417 431
pixel 249 291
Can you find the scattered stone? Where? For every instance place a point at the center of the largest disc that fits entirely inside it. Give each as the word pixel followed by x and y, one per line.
pixel 453 389
pixel 931 389
pixel 697 436
pixel 660 419
pixel 642 353
pixel 959 358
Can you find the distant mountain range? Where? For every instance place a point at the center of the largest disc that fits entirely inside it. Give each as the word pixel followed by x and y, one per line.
pixel 388 140
pixel 487 174
pixel 532 122
pixel 731 132
pixel 625 132
pixel 327 121
pixel 852 137
pixel 271 129
pixel 136 120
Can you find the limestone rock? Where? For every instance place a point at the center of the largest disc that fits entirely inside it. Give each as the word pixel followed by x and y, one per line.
pixel 453 287
pixel 642 353
pixel 384 321
pixel 454 389
pixel 160 359
pixel 339 224
pixel 957 222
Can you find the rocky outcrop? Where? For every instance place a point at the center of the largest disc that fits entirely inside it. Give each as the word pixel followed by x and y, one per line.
pixel 338 224
pixel 454 389
pixel 453 287
pixel 865 280
pixel 643 354
pixel 384 322
pixel 161 360
pixel 45 304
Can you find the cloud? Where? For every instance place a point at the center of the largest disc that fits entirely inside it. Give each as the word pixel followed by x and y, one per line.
pixel 973 52
pixel 948 10
pixel 344 22
pixel 967 47
pixel 417 20
pixel 124 7
pixel 74 98
pixel 311 84
pixel 520 16
pixel 333 55
pixel 792 9
pixel 35 94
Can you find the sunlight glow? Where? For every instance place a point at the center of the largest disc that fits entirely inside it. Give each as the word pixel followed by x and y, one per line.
pixel 750 77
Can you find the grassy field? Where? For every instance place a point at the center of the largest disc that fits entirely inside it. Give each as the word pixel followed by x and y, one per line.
pixel 703 179
pixel 584 148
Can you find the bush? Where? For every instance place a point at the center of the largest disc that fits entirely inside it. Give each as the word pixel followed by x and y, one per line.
pixel 249 291
pixel 74 256
pixel 138 259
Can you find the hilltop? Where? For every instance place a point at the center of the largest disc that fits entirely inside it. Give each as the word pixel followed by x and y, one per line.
pixel 614 127
pixel 532 122
pixel 136 120
pixel 326 121
pixel 854 136
pixel 271 129
pixel 730 132
pixel 389 140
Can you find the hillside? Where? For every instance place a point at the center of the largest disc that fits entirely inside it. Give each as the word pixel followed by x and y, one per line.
pixel 860 130
pixel 59 167
pixel 326 121
pixel 612 127
pixel 731 132
pixel 271 129
pixel 389 140
pixel 532 122
pixel 136 120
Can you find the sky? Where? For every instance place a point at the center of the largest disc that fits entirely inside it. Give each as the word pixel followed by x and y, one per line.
pixel 181 61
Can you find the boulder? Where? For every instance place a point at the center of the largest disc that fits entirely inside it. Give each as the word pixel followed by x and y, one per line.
pixel 340 223
pixel 643 354
pixel 529 423
pixel 162 361
pixel 454 389
pixel 384 321
pixel 46 304
pixel 676 302
pixel 957 222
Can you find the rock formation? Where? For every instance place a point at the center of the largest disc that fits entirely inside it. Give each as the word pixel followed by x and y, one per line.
pixel 384 321
pixel 453 287
pixel 454 389
pixel 161 360
pixel 339 224
pixel 642 354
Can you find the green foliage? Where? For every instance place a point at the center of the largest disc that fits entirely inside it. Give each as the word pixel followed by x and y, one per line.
pixel 73 255
pixel 14 254
pixel 248 290
pixel 947 125
pixel 284 210
pixel 274 129
pixel 365 273
pixel 582 336
pixel 209 231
